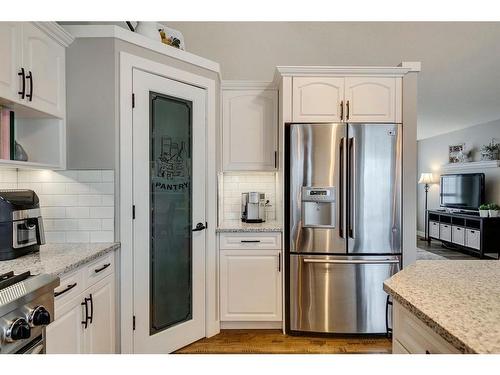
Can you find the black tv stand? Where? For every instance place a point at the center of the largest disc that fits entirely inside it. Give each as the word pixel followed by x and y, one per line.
pixel 465 231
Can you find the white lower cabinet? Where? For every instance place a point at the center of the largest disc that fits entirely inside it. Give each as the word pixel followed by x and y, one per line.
pixel 412 336
pixel 250 283
pixel 85 311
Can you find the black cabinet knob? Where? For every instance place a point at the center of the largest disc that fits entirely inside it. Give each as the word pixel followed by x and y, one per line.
pixel 19 330
pixel 39 317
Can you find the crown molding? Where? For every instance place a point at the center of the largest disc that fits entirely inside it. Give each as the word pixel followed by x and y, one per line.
pixel 112 31
pixel 56 32
pixel 248 85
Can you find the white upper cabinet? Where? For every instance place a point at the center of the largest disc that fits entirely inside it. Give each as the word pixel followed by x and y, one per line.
pixel 346 99
pixel 318 99
pixel 43 60
pixel 373 99
pixel 249 129
pixel 11 52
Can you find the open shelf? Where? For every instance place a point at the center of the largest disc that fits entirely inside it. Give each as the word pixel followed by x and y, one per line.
pixel 471 165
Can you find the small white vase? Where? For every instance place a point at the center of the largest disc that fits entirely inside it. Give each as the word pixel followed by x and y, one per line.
pixel 149 30
pixel 483 213
pixel 494 213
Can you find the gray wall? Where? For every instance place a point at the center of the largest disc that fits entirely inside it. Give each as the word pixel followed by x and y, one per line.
pixel 433 152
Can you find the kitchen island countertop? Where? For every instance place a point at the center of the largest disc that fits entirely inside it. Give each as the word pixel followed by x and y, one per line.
pixel 458 299
pixel 57 259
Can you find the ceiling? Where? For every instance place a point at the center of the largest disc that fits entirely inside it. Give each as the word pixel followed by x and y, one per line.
pixel 459 85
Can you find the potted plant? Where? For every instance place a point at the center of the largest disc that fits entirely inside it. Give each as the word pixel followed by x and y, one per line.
pixel 490 152
pixel 493 209
pixel 484 210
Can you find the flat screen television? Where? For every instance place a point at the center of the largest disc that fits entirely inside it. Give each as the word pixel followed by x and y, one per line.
pixel 462 191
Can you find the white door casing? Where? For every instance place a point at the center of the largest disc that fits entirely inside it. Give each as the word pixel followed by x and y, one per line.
pixel 191 330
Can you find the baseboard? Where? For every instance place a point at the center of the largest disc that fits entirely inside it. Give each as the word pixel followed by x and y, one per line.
pixel 420 234
pixel 251 325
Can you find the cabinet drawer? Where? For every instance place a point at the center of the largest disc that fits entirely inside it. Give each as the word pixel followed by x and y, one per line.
pixel 473 238
pixel 99 269
pixel 445 232
pixel 433 229
pixel 458 235
pixel 415 336
pixel 236 241
pixel 71 286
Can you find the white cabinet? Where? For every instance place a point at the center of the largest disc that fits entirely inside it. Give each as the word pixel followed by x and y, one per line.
pixel 318 99
pixel 65 334
pixel 250 285
pixel 360 99
pixel 412 336
pixel 11 52
pixel 43 61
pixel 250 267
pixel 85 311
pixel 373 99
pixel 249 129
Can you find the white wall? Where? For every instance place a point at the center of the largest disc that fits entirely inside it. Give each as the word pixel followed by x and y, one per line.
pixel 433 152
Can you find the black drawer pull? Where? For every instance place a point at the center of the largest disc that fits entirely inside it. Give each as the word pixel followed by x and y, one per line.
pixel 97 270
pixel 458 228
pixel 68 288
pixel 250 241
pixel 472 231
pixel 427 352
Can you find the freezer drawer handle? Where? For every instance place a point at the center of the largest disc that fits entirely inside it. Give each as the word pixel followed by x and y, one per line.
pixel 351 261
pixel 250 241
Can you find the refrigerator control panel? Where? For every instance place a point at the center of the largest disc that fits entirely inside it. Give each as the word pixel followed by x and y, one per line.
pixel 318 194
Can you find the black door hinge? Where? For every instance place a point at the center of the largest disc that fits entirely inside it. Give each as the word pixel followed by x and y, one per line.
pixel 275 159
pixel 133 323
pixel 133 212
pixel 133 100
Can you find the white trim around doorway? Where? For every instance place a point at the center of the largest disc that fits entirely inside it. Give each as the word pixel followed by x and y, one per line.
pixel 127 63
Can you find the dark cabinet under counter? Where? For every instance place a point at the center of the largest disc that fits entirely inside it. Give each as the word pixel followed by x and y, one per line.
pixel 470 233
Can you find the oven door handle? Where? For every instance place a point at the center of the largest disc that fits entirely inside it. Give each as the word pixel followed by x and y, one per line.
pixel 352 261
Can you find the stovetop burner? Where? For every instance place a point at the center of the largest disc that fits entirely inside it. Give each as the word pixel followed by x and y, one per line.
pixel 8 279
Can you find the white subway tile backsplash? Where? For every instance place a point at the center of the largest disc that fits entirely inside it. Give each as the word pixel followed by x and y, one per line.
pixel 235 183
pixel 102 212
pixel 77 236
pixel 77 205
pixel 102 236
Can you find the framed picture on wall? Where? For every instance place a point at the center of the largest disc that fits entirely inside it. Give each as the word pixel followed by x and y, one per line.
pixel 455 152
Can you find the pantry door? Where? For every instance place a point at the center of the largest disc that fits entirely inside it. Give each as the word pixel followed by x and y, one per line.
pixel 169 198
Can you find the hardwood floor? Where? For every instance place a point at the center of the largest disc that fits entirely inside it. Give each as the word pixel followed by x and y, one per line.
pixel 275 342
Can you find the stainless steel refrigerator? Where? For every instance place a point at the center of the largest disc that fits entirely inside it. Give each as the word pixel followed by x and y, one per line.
pixel 343 224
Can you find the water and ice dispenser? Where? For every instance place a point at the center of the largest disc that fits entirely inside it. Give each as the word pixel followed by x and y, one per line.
pixel 318 207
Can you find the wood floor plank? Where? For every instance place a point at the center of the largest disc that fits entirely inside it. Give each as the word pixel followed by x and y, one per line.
pixel 274 342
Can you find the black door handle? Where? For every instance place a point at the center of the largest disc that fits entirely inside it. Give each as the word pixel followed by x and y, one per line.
pixel 30 95
pixel 91 308
pixel 199 226
pixel 23 90
pixel 85 322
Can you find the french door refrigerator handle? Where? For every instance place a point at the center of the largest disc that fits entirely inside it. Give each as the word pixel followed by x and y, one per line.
pixel 341 187
pixel 351 261
pixel 352 187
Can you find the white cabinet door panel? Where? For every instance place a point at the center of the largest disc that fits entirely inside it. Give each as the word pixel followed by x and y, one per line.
pixel 250 285
pixel 11 55
pixel 45 59
pixel 100 336
pixel 317 99
pixel 373 99
pixel 250 128
pixel 65 334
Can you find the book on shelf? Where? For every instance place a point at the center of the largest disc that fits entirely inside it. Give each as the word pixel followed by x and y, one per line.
pixel 7 134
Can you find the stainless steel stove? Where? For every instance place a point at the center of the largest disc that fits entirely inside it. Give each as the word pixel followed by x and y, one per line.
pixel 26 308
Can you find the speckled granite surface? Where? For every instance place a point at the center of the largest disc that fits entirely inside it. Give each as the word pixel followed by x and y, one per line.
pixel 238 226
pixel 458 299
pixel 58 259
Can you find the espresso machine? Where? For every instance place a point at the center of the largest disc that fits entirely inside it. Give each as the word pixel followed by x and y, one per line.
pixel 253 207
pixel 21 225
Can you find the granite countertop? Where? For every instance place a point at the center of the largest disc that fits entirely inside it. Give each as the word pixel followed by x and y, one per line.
pixel 57 259
pixel 238 226
pixel 458 299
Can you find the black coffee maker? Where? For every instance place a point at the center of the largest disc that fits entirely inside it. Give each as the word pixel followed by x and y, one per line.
pixel 21 225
